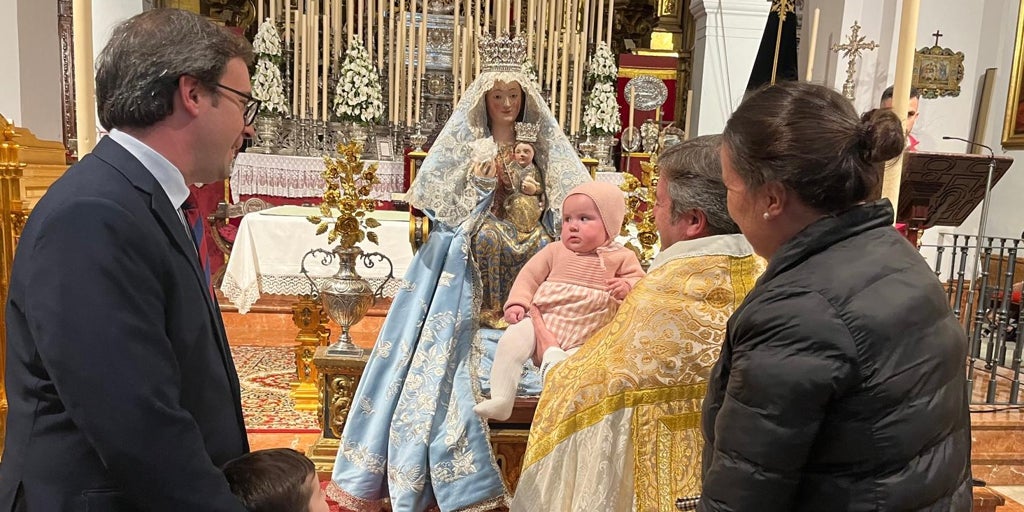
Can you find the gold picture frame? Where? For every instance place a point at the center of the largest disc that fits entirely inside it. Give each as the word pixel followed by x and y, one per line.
pixel 1013 123
pixel 938 72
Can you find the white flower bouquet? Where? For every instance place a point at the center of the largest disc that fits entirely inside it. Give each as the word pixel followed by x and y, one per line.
pixel 358 97
pixel 267 85
pixel 601 113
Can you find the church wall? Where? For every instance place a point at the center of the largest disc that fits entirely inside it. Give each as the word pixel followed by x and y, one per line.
pixel 10 69
pixel 40 70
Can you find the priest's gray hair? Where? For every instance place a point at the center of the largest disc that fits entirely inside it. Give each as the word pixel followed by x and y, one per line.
pixel 693 171
pixel 137 72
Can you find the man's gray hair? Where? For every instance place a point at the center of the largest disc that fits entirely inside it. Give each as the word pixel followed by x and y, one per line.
pixel 137 72
pixel 693 170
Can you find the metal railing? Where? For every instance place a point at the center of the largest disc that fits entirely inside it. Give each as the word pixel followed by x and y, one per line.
pixel 979 280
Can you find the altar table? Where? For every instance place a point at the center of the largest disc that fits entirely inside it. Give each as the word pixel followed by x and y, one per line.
pixel 269 248
pixel 255 174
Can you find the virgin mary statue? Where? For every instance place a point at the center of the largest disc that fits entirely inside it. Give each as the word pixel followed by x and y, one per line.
pixel 412 438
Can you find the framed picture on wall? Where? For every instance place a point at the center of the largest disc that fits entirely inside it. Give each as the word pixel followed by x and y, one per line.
pixel 1013 124
pixel 384 150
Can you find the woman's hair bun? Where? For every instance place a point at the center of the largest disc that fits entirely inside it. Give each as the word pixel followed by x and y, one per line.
pixel 880 136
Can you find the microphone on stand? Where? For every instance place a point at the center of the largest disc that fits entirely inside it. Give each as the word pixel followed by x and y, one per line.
pixel 980 145
pixel 983 223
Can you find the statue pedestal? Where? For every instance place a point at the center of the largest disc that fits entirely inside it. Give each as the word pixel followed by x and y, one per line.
pixel 337 379
pixel 309 316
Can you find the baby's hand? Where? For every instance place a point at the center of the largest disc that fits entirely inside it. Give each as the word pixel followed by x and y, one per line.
pixel 618 287
pixel 530 186
pixel 514 313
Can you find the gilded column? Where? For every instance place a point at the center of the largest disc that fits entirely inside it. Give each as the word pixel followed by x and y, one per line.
pixel 85 88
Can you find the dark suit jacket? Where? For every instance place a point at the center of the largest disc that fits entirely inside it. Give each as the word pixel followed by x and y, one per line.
pixel 122 392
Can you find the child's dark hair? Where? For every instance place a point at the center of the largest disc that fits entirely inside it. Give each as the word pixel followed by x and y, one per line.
pixel 271 480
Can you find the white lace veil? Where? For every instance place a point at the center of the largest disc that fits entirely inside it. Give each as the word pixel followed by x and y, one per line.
pixel 442 184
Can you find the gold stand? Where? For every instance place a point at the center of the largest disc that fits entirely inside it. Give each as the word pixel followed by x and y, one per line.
pixel 338 378
pixel 311 319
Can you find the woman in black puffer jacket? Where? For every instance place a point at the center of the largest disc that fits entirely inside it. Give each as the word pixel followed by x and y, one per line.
pixel 841 384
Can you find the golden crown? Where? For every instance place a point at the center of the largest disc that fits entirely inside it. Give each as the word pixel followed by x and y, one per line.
pixel 502 53
pixel 527 132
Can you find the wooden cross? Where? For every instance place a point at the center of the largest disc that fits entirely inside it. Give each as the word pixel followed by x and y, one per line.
pixel 851 50
pixel 937 35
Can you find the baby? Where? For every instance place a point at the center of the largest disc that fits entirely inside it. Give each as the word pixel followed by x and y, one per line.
pixel 576 284
pixel 276 480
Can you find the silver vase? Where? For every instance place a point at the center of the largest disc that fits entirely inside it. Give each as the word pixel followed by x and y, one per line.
pixel 603 152
pixel 266 128
pixel 346 298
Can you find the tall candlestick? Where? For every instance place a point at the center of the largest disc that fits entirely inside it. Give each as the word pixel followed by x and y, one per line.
pixel 814 41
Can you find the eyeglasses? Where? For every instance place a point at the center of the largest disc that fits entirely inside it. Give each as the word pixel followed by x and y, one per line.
pixel 252 105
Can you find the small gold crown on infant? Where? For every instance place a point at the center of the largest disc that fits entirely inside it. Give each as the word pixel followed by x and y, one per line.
pixel 527 132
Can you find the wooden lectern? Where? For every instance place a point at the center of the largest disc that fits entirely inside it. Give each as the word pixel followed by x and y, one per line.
pixel 942 189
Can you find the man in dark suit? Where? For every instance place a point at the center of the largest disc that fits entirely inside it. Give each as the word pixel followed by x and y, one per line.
pixel 122 392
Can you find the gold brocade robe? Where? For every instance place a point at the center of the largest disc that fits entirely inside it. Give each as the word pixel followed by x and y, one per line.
pixel 618 423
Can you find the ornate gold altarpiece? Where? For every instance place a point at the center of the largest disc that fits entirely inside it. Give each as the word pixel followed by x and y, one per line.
pixel 27 168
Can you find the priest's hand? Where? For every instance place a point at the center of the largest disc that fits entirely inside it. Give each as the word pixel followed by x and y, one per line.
pixel 545 338
pixel 618 287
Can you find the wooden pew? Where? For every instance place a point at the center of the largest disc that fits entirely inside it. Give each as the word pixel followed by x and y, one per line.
pixel 27 168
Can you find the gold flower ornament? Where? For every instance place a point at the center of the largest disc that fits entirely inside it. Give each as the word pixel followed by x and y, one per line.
pixel 346 198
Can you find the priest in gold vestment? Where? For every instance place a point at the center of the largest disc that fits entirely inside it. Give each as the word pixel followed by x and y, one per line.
pixel 617 427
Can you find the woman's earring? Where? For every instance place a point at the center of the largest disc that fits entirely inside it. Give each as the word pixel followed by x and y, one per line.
pixel 766 216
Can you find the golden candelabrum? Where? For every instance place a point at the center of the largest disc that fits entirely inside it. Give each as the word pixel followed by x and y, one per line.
pixel 343 216
pixel 640 197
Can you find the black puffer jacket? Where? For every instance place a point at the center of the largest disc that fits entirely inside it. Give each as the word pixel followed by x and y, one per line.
pixel 841 384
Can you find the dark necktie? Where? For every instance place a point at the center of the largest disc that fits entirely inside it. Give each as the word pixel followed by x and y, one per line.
pixel 194 219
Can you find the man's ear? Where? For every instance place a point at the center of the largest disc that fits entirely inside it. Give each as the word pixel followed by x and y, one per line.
pixel 188 95
pixel 696 224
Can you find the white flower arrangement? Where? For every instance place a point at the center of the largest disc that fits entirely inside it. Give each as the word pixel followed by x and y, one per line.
pixel 601 114
pixel 602 64
pixel 358 97
pixel 267 85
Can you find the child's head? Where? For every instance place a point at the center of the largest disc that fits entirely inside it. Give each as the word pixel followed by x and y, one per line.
pixel 276 480
pixel 592 215
pixel 523 153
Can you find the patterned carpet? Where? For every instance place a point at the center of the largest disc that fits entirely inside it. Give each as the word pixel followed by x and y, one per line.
pixel 264 374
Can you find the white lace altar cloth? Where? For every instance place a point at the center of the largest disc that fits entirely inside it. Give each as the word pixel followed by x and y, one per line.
pixel 270 245
pixel 300 176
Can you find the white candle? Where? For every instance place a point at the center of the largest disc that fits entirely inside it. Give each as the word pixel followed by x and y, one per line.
pixel 325 47
pixel 314 91
pixel 421 65
pixel 599 19
pixel 542 23
pixel 400 103
pixel 380 35
pixel 586 27
pixel 518 16
pixel 411 72
pixel 259 11
pixel 611 16
pixel 632 104
pixel 300 36
pixel 392 67
pixel 814 41
pixel 368 33
pixel 360 10
pixel 689 108
pixel 530 27
pixel 350 20
pixel 295 64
